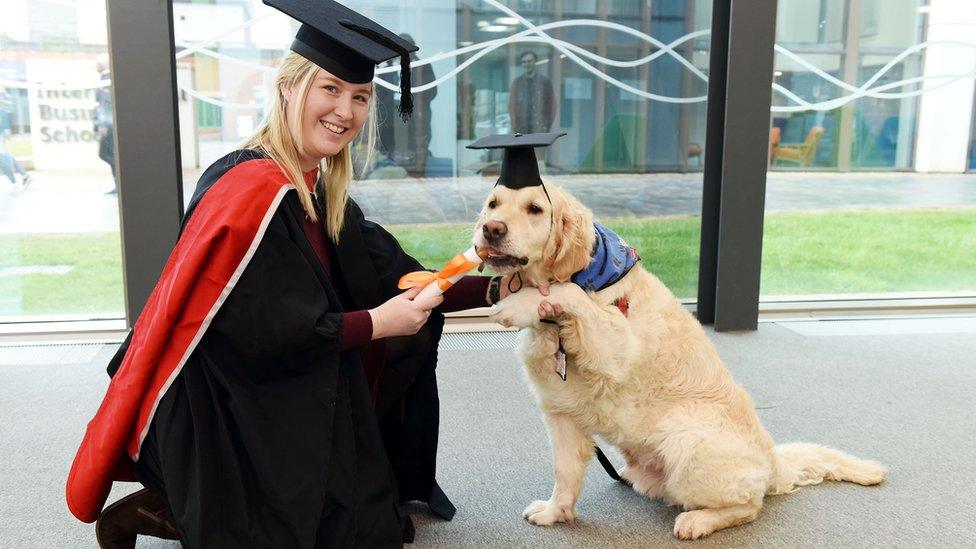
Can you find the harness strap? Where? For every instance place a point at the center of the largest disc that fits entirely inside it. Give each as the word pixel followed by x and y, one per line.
pixel 608 467
pixel 623 304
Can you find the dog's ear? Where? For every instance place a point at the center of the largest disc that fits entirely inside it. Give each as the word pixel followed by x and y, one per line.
pixel 572 239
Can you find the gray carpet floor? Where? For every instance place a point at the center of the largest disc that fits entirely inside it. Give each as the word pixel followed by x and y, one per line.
pixel 906 400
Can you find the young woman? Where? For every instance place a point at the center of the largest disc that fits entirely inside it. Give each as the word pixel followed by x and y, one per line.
pixel 248 395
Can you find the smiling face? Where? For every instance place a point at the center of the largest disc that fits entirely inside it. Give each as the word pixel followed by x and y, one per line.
pixel 528 63
pixel 332 115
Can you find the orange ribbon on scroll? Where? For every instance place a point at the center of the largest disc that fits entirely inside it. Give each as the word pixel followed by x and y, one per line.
pixel 438 282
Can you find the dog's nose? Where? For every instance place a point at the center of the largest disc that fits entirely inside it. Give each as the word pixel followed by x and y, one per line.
pixel 493 231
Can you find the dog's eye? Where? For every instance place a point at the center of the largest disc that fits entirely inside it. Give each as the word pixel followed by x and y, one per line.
pixel 534 209
pixel 492 204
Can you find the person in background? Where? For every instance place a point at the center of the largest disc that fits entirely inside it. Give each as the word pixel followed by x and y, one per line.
pixel 9 164
pixel 414 149
pixel 407 145
pixel 104 118
pixel 531 101
pixel 386 114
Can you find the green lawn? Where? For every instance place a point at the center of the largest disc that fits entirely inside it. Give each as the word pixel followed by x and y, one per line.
pixel 668 246
pixel 92 286
pixel 803 253
pixel 870 251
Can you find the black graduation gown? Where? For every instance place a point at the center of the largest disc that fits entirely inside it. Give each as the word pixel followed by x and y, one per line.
pixel 267 437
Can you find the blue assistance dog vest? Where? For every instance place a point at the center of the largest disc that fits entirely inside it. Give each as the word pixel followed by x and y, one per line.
pixel 610 260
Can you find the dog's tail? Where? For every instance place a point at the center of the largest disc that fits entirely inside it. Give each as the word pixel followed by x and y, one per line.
pixel 802 464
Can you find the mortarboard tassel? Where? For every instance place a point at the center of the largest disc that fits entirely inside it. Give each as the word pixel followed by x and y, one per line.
pixel 406 98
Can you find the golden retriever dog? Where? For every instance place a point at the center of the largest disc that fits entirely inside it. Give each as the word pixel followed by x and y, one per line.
pixel 647 380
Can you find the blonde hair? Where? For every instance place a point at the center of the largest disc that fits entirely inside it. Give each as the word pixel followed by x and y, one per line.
pixel 275 138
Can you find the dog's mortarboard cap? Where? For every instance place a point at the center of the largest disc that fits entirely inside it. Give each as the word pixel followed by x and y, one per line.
pixel 519 166
pixel 347 44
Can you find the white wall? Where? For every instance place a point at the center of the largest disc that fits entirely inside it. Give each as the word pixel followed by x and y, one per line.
pixel 945 114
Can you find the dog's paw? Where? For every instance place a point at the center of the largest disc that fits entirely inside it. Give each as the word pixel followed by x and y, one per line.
pixel 547 513
pixel 693 525
pixel 513 317
pixel 519 310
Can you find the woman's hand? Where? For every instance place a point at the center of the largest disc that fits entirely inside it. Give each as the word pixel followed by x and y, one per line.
pixel 402 315
pixel 550 311
pixel 547 310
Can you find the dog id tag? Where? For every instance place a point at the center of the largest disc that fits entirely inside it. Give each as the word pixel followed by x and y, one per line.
pixel 561 364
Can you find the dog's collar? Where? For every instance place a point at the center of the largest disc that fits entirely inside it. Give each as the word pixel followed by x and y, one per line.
pixel 610 260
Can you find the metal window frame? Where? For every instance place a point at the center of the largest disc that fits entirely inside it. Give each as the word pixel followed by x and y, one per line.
pixel 143 69
pixel 736 162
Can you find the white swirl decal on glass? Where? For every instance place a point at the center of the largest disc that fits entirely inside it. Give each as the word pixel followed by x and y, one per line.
pixel 536 34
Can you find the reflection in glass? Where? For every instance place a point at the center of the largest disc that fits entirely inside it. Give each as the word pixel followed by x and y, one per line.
pixel 871 85
pixel 635 160
pixel 60 254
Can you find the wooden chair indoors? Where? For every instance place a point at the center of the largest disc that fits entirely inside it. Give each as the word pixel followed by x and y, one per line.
pixel 801 154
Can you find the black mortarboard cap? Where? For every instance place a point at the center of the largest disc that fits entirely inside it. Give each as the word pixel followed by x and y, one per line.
pixel 519 166
pixel 347 44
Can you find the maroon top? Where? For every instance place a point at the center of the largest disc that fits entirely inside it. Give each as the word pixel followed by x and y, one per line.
pixel 357 326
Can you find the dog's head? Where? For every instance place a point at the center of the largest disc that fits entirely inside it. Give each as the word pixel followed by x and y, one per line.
pixel 524 232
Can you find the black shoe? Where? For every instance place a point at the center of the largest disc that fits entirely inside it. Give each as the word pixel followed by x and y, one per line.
pixel 26 180
pixel 140 513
